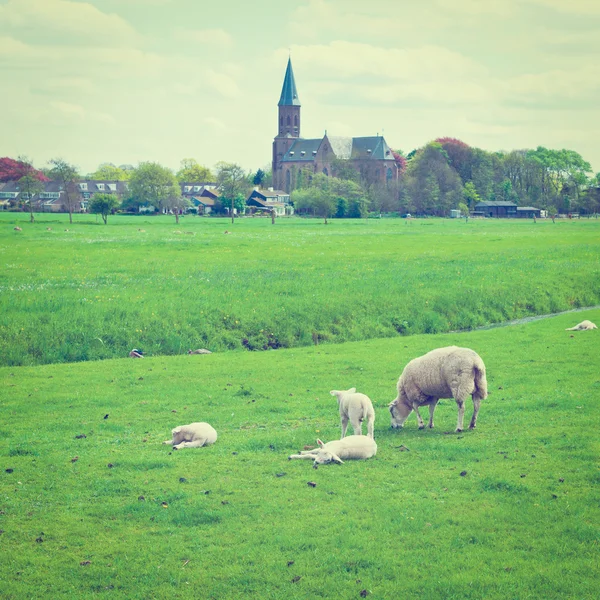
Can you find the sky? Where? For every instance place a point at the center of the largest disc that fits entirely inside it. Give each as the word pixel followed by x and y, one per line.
pixel 125 81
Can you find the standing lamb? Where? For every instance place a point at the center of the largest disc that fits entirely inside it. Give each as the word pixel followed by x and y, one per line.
pixel 450 372
pixel 583 326
pixel 194 435
pixel 352 447
pixel 355 408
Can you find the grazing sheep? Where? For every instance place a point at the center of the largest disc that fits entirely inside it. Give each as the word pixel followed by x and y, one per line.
pixel 200 351
pixel 142 230
pixel 227 232
pixel 18 229
pixel 48 228
pixel 450 372
pixel 354 408
pixel 583 326
pixel 194 435
pixel 351 447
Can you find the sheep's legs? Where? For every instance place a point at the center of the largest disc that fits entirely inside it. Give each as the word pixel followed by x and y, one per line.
pixel 344 427
pixel 461 415
pixel 195 444
pixel 432 406
pixel 476 404
pixel 419 418
pixel 371 428
pixel 168 442
pixel 302 456
pixel 357 426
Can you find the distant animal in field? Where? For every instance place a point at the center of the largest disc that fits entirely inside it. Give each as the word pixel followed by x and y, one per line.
pixel 66 230
pixel 200 351
pixel 142 230
pixel 227 232
pixel 190 233
pixel 48 228
pixel 356 408
pixel 17 229
pixel 135 353
pixel 449 372
pixel 583 326
pixel 194 435
pixel 352 447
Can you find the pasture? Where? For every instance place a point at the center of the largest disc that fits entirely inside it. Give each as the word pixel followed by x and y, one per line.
pixel 92 505
pixel 95 292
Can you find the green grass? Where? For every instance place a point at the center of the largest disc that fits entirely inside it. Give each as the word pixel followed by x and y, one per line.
pixel 95 291
pixel 523 522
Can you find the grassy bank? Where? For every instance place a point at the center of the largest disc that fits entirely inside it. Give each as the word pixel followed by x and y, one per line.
pixel 96 291
pixel 510 510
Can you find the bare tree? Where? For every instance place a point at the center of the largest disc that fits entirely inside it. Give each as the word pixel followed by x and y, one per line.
pixel 67 175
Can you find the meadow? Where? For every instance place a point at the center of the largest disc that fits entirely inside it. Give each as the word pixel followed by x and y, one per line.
pixel 93 505
pixel 88 291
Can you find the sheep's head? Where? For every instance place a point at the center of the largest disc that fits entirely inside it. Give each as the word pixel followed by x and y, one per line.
pixel 399 413
pixel 340 393
pixel 324 457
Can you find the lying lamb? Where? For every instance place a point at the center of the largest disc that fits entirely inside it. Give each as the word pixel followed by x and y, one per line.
pixel 355 408
pixel 194 435
pixel 450 372
pixel 351 447
pixel 200 351
pixel 583 326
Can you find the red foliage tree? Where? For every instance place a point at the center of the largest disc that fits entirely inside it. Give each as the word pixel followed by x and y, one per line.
pixel 13 170
pixel 400 161
pixel 460 156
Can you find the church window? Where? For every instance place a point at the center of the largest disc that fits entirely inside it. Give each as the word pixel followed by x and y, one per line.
pixel 325 171
pixel 280 121
pixel 288 120
pixel 388 175
pixel 288 181
pixel 296 121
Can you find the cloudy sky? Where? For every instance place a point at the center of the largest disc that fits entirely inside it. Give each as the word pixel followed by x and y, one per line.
pixel 125 81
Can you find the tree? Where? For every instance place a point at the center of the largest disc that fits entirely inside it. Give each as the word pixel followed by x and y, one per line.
pixel 321 202
pixel 30 185
pixel 470 195
pixel 464 209
pixel 103 204
pixel 259 177
pixel 67 175
pixel 154 184
pixel 13 170
pixel 191 171
pixel 108 172
pixel 232 182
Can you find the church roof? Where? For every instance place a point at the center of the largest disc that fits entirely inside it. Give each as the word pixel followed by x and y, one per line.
pixel 373 147
pixel 302 150
pixel 341 146
pixel 289 94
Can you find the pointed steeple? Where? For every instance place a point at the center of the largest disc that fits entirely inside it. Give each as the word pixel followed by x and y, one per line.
pixel 289 94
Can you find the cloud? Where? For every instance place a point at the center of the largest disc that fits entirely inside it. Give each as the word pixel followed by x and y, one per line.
pixel 77 113
pixel 223 84
pixel 211 37
pixel 66 21
pixel 580 7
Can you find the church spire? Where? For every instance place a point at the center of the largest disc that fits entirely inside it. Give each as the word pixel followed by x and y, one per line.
pixel 289 94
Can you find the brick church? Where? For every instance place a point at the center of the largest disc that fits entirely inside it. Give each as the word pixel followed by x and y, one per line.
pixel 371 156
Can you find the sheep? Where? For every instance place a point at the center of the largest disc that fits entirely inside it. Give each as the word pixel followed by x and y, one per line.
pixel 583 326
pixel 355 408
pixel 17 229
pixel 194 435
pixel 351 447
pixel 450 372
pixel 135 353
pixel 200 351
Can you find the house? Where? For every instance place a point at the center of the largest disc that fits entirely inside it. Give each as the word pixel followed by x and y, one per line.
pixel 201 195
pixel 528 212
pixel 370 156
pixel 497 209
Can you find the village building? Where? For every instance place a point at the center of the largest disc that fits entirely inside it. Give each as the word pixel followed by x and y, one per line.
pixel 270 200
pixel 294 156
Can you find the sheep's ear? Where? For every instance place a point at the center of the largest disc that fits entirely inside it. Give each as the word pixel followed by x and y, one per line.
pixel 351 391
pixel 392 403
pixel 336 459
pixel 334 392
pixel 320 442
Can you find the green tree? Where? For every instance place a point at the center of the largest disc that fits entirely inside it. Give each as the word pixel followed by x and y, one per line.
pixel 104 205
pixel 67 175
pixel 191 171
pixel 156 185
pixel 29 184
pixel 259 177
pixel 470 195
pixel 232 183
pixel 320 202
pixel 109 172
pixel 464 209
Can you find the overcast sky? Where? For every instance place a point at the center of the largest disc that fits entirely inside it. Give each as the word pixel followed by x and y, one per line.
pixel 125 81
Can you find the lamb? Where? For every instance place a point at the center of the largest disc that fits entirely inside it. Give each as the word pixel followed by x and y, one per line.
pixel 17 229
pixel 200 351
pixel 194 435
pixel 583 326
pixel 351 447
pixel 356 408
pixel 449 372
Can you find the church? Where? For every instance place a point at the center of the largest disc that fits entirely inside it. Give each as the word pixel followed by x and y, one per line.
pixel 292 155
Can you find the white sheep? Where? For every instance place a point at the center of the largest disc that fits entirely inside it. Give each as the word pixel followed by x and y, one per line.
pixel 194 435
pixel 200 351
pixel 354 408
pixel 450 372
pixel 351 447
pixel 583 326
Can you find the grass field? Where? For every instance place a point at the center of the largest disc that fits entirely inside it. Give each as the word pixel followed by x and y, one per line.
pixel 508 511
pixel 95 291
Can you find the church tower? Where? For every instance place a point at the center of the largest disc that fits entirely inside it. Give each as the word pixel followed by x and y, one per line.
pixel 288 125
